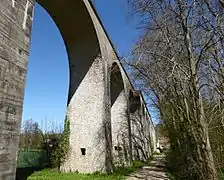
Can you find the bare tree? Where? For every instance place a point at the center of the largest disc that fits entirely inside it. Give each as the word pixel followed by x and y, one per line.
pixel 222 2
pixel 31 135
pixel 179 60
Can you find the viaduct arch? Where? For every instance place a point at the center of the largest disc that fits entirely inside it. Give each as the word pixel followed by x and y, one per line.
pixel 98 103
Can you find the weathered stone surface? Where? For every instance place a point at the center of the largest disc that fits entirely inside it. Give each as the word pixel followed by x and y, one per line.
pixel 91 58
pixel 142 135
pixel 14 47
pixel 120 133
pixel 87 125
pixel 119 118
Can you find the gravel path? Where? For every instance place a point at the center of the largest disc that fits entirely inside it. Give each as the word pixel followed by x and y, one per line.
pixel 154 171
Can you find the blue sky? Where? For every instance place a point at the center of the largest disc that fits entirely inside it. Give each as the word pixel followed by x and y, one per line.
pixel 47 79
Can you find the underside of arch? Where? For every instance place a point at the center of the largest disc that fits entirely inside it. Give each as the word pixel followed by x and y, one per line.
pixel 79 35
pixel 134 101
pixel 116 83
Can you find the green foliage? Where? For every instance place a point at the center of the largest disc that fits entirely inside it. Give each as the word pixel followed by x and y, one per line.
pixel 176 168
pixel 32 158
pixel 221 175
pixel 60 152
pixel 138 164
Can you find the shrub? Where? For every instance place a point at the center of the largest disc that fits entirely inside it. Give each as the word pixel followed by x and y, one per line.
pixel 60 152
pixel 138 164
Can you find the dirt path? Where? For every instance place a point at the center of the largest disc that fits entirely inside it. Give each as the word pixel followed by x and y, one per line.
pixel 154 171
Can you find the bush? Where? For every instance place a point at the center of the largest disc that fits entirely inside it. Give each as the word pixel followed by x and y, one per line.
pixel 138 164
pixel 60 152
pixel 32 158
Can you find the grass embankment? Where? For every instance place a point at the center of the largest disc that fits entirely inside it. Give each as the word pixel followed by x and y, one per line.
pixel 119 174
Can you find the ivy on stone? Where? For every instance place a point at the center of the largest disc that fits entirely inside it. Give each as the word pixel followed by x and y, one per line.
pixel 60 153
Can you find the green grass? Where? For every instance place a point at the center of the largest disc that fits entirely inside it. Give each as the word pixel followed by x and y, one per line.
pixel 221 175
pixel 157 153
pixel 52 175
pixel 119 174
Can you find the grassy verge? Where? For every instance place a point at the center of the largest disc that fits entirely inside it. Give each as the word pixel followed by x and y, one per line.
pixel 119 174
pixel 221 175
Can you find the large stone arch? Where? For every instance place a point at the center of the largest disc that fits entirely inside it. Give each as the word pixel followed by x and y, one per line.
pixel 92 104
pixel 79 34
pixel 88 96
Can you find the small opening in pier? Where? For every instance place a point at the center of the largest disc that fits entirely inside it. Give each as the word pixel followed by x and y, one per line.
pixel 83 150
pixel 117 148
pixel 20 51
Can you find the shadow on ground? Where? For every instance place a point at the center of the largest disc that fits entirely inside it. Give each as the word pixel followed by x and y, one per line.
pixel 154 171
pixel 24 173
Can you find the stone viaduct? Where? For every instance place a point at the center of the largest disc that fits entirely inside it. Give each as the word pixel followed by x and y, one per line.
pixel 109 121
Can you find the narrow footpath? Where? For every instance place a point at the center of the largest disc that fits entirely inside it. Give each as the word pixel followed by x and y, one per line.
pixel 154 171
